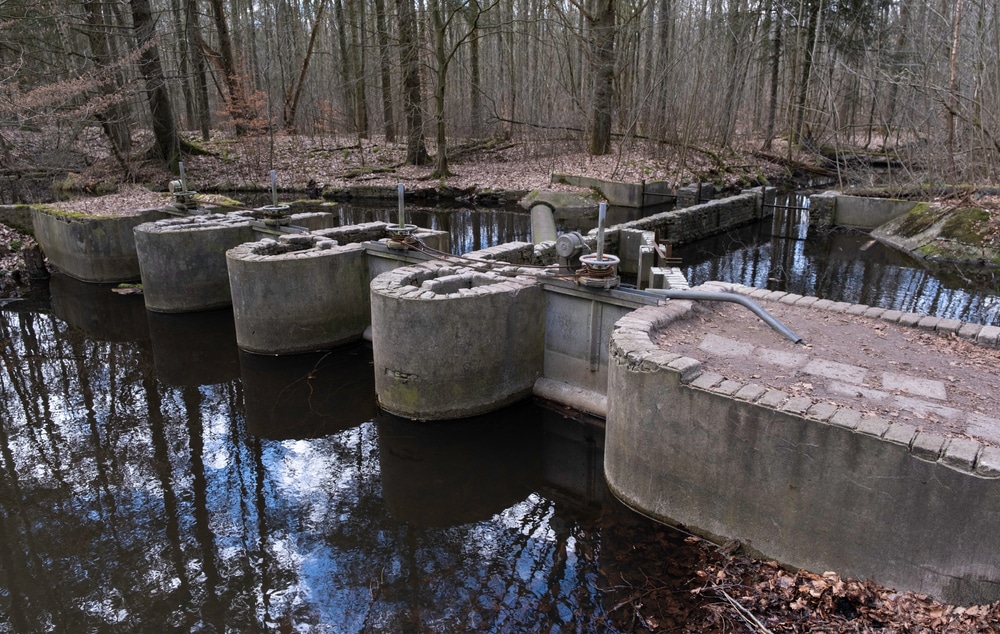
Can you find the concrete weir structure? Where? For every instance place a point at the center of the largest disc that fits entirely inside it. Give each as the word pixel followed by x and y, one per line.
pixel 487 345
pixel 807 482
pixel 811 484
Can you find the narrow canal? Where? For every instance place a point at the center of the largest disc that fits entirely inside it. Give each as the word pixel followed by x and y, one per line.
pixel 154 478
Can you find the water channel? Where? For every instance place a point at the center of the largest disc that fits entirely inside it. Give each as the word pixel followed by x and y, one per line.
pixel 155 478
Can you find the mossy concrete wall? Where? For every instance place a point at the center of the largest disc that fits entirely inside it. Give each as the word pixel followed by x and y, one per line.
pixel 818 488
pixel 17 217
pixel 620 194
pixel 91 249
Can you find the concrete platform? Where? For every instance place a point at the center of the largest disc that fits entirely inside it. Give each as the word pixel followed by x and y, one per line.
pixel 934 374
pixel 872 451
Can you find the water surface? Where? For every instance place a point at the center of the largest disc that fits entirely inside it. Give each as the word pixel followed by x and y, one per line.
pixel 154 478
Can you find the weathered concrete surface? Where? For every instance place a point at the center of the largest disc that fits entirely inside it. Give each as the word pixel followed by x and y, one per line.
pixel 617 193
pixel 91 248
pixel 451 342
pixel 812 485
pixel 835 209
pixel 298 293
pixel 17 217
pixel 578 326
pixel 183 260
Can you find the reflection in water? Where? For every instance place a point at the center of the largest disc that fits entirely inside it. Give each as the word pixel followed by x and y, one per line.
pixel 133 503
pixel 840 265
pixel 474 229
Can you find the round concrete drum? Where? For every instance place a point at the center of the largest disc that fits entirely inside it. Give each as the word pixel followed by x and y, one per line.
pixel 298 293
pixel 183 260
pixel 452 342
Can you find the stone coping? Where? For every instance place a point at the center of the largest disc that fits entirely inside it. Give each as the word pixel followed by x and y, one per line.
pixel 633 341
pixel 286 247
pixel 436 280
pixel 204 222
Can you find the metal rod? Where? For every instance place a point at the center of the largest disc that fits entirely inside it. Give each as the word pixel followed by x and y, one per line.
pixel 602 209
pixel 399 195
pixel 712 296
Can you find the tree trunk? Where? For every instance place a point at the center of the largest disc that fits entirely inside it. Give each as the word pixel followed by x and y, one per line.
pixel 475 98
pixel 416 150
pixel 809 50
pixel 356 13
pixel 602 50
pixel 166 143
pixel 388 121
pixel 441 160
pixel 295 90
pixel 953 86
pixel 238 109
pixel 192 33
pixel 772 103
pixel 114 119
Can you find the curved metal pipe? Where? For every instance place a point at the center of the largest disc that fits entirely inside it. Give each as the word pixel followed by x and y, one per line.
pixel 712 296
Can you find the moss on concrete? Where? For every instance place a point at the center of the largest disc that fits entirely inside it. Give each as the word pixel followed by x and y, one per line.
pixel 967 225
pixel 917 220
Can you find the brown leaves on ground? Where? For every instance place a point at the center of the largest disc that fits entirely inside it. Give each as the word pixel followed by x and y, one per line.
pixel 765 597
pixel 728 593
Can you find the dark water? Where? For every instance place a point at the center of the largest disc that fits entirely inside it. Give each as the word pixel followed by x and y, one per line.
pixel 153 478
pixel 783 254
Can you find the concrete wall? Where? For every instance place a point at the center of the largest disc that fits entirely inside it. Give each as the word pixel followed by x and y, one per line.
pixel 298 293
pixel 578 326
pixel 820 489
pixel 834 209
pixel 183 260
pixel 451 342
pixel 700 221
pixel 620 194
pixel 91 249
pixel 17 217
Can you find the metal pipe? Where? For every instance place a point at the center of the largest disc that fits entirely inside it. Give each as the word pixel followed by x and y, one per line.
pixel 712 296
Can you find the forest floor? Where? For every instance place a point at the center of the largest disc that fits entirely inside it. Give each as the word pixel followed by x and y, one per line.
pixel 717 590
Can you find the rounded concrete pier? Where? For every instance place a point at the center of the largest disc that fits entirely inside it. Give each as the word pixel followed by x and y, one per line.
pixel 183 260
pixel 299 293
pixel 452 342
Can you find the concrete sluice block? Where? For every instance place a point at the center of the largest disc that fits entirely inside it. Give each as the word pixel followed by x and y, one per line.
pixel 451 342
pixel 91 248
pixel 183 260
pixel 299 293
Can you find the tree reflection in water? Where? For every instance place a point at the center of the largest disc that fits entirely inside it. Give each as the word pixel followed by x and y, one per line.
pixel 134 500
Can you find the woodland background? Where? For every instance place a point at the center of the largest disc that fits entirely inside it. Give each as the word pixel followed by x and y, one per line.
pixel 914 83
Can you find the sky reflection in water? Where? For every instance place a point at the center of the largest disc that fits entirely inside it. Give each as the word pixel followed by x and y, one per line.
pixel 165 481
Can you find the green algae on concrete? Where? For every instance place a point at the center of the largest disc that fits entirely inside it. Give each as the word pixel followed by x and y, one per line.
pixel 933 233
